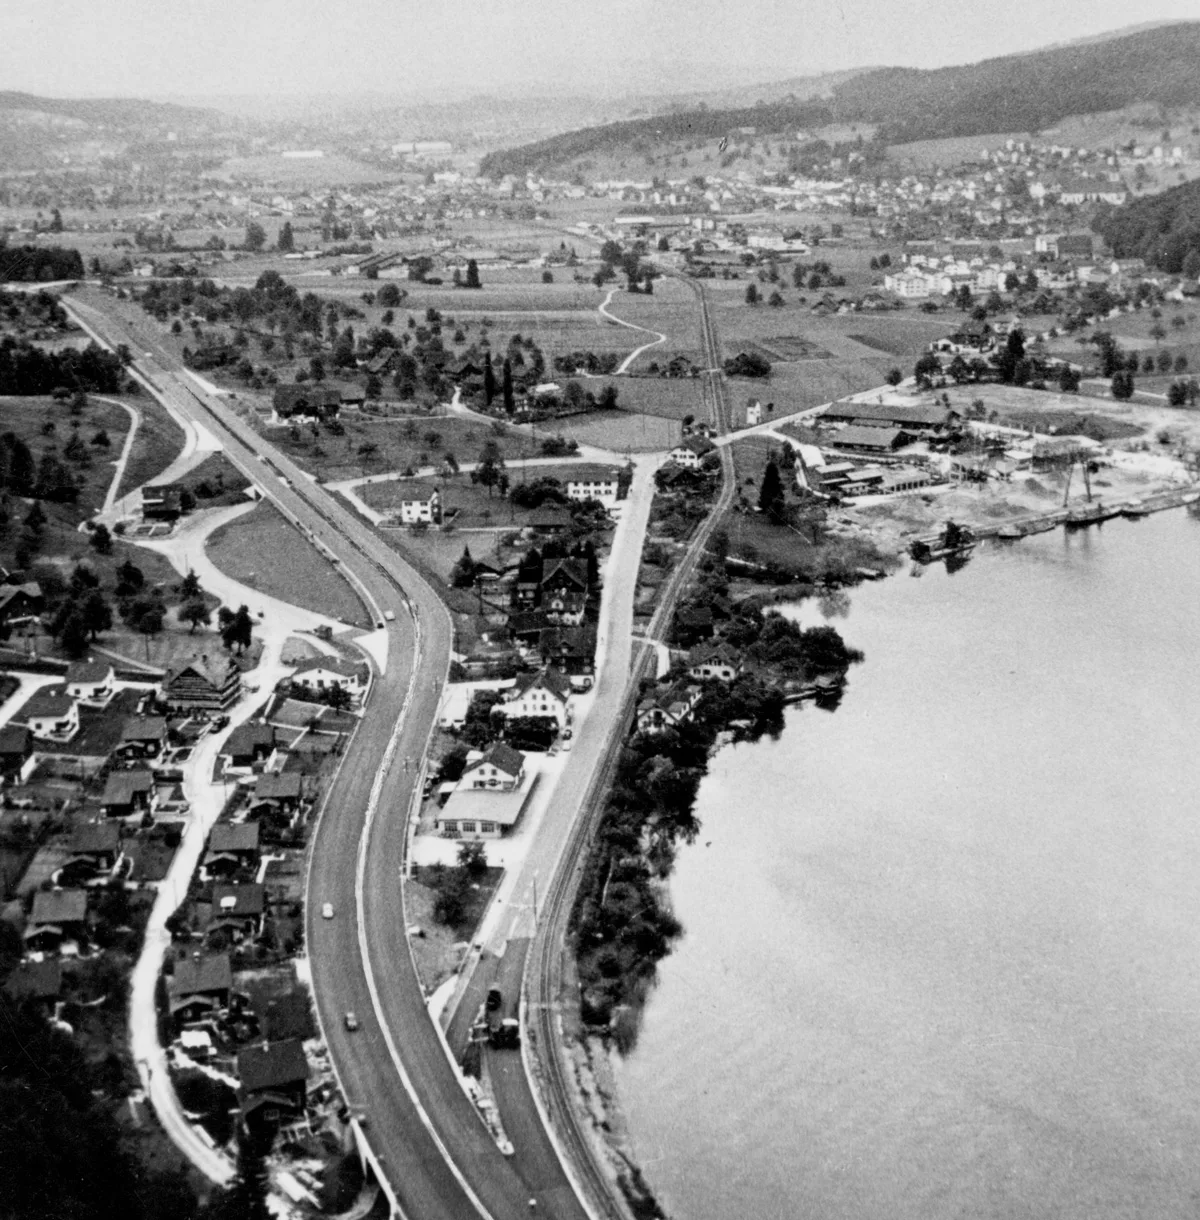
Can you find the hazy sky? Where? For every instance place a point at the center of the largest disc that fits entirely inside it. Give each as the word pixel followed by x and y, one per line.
pixel 168 47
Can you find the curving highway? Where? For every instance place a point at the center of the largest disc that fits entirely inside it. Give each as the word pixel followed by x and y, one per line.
pixel 433 1154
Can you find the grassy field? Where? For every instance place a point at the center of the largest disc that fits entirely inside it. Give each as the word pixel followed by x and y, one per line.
pixel 216 482
pixel 266 552
pixel 623 432
pixel 158 442
pixel 672 398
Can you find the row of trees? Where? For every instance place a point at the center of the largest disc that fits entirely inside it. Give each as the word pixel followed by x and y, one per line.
pixel 30 370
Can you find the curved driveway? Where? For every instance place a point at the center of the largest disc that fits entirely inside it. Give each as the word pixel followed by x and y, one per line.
pixel 436 1156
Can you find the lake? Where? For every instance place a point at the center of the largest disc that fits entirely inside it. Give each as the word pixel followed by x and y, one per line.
pixel 942 948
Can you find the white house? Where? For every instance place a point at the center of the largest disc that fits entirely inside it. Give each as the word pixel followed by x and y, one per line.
pixel 52 714
pixel 711 662
pixel 541 695
pixel 501 769
pixel 91 682
pixel 490 797
pixel 689 452
pixel 418 502
pixel 592 482
pixel 321 673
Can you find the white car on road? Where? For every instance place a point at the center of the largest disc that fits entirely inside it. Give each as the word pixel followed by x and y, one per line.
pixel 327 911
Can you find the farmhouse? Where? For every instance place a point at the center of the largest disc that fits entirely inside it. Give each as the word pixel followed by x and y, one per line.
pixel 203 684
pixel 274 1082
pixel 305 398
pixel 594 482
pixel 542 695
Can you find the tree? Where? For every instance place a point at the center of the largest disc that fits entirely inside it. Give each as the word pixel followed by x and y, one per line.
pixel 102 540
pixel 256 236
pixel 1122 385
pixel 770 496
pixel 73 635
pixel 246 1198
pixel 97 616
pixel 507 387
pixel 472 859
pixel 195 613
pixel 926 368
pixel 463 574
pixel 472 280
pixel 751 294
pixel 286 242
pixel 1068 379
pixel 489 381
pixel 237 629
pixel 894 376
pixel 129 579
pixel 1177 394
pixel 491 464
pixel 775 300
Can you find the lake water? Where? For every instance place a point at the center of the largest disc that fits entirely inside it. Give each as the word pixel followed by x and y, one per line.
pixel 942 949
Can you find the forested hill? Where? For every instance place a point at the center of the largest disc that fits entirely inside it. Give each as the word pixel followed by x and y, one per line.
pixel 117 111
pixel 1027 92
pixel 1163 229
pixel 640 135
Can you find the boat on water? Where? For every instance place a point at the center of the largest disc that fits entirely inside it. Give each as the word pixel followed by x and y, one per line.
pixel 1135 510
pixel 1010 533
pixel 1090 514
pixel 954 539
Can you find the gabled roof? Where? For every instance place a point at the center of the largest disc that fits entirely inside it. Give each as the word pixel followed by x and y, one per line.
pixel 546 679
pixel 227 837
pixel 503 757
pixel 89 672
pixel 16 739
pixel 334 665
pixel 214 670
pixel 272 1065
pixel 59 907
pixel 246 738
pixel 195 975
pixel 415 491
pixel 145 728
pixel 122 786
pixel 283 786
pixel 238 900
pixel 868 437
pixel 95 838
pixel 719 653
pixel 593 472
pixel 573 571
pixel 49 703
pixel 36 980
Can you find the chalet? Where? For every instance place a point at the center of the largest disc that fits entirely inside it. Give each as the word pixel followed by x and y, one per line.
pixel 51 714
pixel 543 695
pixel 594 482
pixel 237 913
pixel 38 983
pixel 276 793
pixel 91 682
pixel 127 793
pixel 501 769
pixel 58 922
pixel 714 662
pixel 21 603
pixel 323 673
pixel 203 685
pixel 690 452
pixel 161 502
pixel 858 438
pixel 693 623
pixel 550 519
pixel 563 576
pixel 569 649
pixel 231 849
pixel 526 626
pixel 199 989
pixel 94 849
pixel 564 590
pixel 143 737
pixel 249 744
pixel 667 709
pixel 350 394
pixel 416 502
pixel 306 398
pixel 273 1080
pixel 16 753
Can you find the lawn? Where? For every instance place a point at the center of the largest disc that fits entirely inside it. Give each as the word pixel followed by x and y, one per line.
pixel 216 482
pixel 157 443
pixel 266 552
pixel 622 431
pixel 668 397
pixel 475 508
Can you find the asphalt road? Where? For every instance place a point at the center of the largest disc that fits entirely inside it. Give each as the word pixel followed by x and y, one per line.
pixel 433 1149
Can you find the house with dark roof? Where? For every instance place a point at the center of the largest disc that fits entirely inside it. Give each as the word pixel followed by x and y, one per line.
pixel 142 737
pixel 203 684
pixel 232 849
pixel 276 792
pixel 237 913
pixel 162 502
pixel 94 848
pixel 714 663
pixel 199 989
pixel 858 439
pixel 21 603
pixel 572 650
pixel 499 769
pixel 51 714
pixel 58 922
pixel 38 983
pixel 921 421
pixel 250 743
pixel 273 1083
pixel 667 708
pixel 693 623
pixel 541 695
pixel 127 793
pixel 91 682
pixel 550 519
pixel 16 753
pixel 307 398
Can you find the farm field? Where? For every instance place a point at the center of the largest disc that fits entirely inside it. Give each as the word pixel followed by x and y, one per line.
pixel 622 431
pixel 266 552
pixel 671 398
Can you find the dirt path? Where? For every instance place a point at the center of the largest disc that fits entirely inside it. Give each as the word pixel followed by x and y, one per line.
pixel 603 309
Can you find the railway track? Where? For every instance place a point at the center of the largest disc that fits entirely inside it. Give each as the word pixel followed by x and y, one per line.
pixel 545 968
